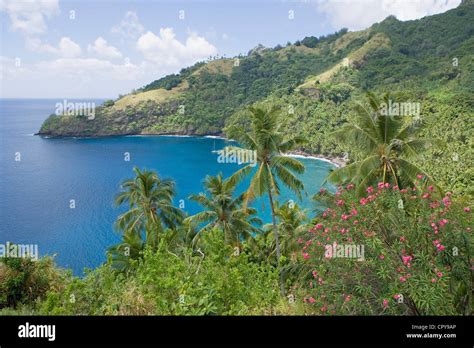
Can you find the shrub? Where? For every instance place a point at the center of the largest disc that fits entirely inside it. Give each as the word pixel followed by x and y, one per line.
pixel 417 254
pixel 165 283
pixel 24 281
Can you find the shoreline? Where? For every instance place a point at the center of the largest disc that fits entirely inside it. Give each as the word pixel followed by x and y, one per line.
pixel 337 161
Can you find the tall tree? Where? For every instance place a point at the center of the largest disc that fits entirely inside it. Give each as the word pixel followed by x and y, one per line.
pixel 224 211
pixel 266 140
pixel 151 209
pixel 385 145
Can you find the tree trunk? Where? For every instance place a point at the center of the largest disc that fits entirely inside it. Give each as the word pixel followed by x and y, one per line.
pixel 277 243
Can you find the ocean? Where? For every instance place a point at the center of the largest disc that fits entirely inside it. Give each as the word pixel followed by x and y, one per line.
pixel 40 178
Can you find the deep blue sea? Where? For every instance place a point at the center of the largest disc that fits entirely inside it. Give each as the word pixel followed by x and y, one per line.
pixel 35 192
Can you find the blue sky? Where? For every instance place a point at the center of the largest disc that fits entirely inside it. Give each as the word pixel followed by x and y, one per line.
pixel 81 49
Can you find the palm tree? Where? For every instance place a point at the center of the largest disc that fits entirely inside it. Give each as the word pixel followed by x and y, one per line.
pixel 151 208
pixel 121 255
pixel 292 224
pixel 224 211
pixel 386 146
pixel 267 141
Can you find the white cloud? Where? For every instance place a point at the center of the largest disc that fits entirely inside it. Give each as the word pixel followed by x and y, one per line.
pixel 103 50
pixel 94 77
pixel 28 16
pixel 70 77
pixel 66 47
pixel 130 27
pixel 360 14
pixel 166 51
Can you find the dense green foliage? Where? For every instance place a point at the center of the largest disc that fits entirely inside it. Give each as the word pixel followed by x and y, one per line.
pixel 407 204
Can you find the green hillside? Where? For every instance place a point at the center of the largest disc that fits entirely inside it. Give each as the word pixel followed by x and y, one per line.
pixel 316 81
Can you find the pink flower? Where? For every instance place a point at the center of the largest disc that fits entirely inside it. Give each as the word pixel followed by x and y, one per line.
pixel 406 259
pixel 443 222
pixel 319 226
pixel 311 300
pixel 433 280
pixel 315 274
pixel 363 201
pixel 380 185
pixel 370 189
pixel 438 245
pixel 426 195
pixel 348 187
pixel 396 296
pixel 322 190
pixel 402 239
pixel 402 279
pixel 340 202
pixel 387 185
pixel 345 217
pixel 395 188
pixel 419 176
pixel 467 209
pixel 381 257
pixel 354 212
pixel 439 274
pixel 305 256
pixel 385 303
pixel 430 188
pixel 356 222
pixel 446 201
pixel 403 190
pixel 324 308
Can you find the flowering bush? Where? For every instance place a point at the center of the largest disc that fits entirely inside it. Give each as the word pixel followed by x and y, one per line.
pixel 391 252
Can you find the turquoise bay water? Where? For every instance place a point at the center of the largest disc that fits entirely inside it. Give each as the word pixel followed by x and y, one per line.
pixel 36 191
